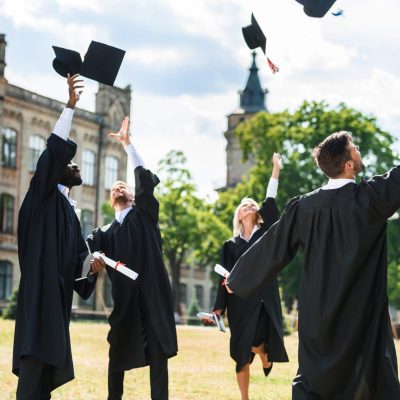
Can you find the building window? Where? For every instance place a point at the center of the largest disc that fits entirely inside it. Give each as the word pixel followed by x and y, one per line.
pixel 9 148
pixel 86 223
pixel 183 293
pixel 200 295
pixel 107 291
pixel 88 167
pixel 111 171
pixel 36 146
pixel 5 279
pixel 6 213
pixel 213 295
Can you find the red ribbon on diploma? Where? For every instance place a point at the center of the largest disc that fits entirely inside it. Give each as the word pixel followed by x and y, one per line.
pixel 118 264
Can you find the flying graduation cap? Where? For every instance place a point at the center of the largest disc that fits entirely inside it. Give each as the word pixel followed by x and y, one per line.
pixel 254 37
pixel 101 62
pixel 339 12
pixel 316 8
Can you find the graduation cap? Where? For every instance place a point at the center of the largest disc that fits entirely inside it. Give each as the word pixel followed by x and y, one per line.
pixel 254 38
pixel 339 12
pixel 316 8
pixel 101 62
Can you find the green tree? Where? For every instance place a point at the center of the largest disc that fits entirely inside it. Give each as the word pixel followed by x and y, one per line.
pixel 294 135
pixel 10 312
pixel 192 234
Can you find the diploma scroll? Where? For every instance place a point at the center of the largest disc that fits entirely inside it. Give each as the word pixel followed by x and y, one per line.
pixel 219 269
pixel 117 266
pixel 217 319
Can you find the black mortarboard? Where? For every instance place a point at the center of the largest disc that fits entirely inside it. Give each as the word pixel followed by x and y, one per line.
pixel 254 36
pixel 316 8
pixel 66 61
pixel 101 63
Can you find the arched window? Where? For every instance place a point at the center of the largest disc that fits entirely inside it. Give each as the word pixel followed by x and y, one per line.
pixel 200 295
pixel 5 279
pixel 183 293
pixel 6 213
pixel 9 148
pixel 213 295
pixel 88 167
pixel 111 174
pixel 36 146
pixel 86 223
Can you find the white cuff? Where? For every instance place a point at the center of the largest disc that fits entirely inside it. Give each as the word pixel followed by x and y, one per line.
pixel 133 155
pixel 63 125
pixel 272 188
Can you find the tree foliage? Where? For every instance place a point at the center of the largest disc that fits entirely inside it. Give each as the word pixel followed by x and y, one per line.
pixel 190 230
pixel 294 135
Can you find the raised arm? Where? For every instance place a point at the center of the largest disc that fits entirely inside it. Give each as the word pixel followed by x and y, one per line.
pixel 145 180
pixel 268 210
pixel 60 150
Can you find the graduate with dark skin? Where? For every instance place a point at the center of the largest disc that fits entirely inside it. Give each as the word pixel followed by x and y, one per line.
pixel 51 252
pixel 346 348
pixel 142 326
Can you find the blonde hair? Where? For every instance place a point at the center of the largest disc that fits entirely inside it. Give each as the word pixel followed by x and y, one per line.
pixel 237 225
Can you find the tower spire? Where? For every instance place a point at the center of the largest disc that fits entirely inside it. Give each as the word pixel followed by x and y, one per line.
pixel 252 98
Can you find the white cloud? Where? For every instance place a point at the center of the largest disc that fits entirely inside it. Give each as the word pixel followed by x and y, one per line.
pixel 36 16
pixel 90 5
pixel 353 59
pixel 149 56
pixel 191 124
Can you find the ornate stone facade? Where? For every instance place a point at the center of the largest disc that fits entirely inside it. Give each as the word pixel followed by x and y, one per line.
pixel 26 120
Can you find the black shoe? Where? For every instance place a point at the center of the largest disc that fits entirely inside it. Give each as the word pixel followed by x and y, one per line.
pixel 268 370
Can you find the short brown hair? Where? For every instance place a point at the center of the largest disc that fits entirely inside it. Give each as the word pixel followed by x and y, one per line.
pixel 331 154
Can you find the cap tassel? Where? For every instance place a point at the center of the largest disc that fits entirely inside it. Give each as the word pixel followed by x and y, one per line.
pixel 273 67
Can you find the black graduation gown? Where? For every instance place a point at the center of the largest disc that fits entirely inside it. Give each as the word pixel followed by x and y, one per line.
pixel 346 348
pixel 51 252
pixel 243 315
pixel 137 243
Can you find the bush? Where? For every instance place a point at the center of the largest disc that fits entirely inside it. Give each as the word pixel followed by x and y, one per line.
pixel 10 311
pixel 193 310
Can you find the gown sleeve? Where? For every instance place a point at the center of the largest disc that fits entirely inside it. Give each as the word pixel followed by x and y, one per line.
pixel 268 255
pixel 145 182
pixel 385 191
pixel 51 165
pixel 221 300
pixel 269 212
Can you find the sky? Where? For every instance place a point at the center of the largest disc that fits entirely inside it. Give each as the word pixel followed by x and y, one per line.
pixel 186 60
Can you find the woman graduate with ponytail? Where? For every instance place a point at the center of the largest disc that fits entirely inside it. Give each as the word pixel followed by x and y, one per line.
pixel 255 323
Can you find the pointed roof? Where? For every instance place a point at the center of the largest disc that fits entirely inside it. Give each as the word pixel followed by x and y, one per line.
pixel 252 98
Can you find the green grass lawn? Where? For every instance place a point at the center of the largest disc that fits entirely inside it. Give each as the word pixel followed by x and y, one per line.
pixel 202 369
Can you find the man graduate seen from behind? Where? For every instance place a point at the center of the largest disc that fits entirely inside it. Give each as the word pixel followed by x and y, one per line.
pixel 346 348
pixel 51 252
pixel 142 321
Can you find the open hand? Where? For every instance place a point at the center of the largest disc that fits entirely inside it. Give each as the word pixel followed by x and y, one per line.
pixel 123 134
pixel 277 160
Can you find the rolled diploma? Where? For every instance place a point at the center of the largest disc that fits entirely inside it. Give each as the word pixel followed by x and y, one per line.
pixel 219 269
pixel 117 266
